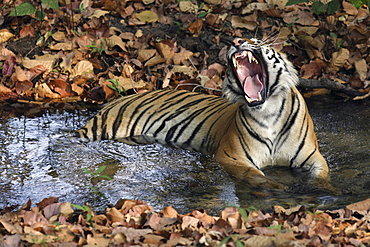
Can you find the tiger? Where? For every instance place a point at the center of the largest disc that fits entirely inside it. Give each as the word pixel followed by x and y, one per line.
pixel 260 120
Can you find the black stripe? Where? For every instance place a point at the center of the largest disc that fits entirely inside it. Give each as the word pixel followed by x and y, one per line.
pixel 253 133
pixel 171 139
pixel 288 123
pixel 300 146
pixel 209 112
pixel 179 111
pixel 138 118
pixel 148 98
pixel 308 157
pixel 281 110
pixel 165 109
pixel 94 127
pixel 256 120
pixel 273 87
pixel 229 155
pixel 82 133
pixel 244 145
pixel 119 116
pixel 208 141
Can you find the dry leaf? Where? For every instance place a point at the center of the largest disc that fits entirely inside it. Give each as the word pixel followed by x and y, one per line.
pixel 43 91
pixel 99 13
pixel 12 228
pixel 35 71
pixel 11 240
pixel 19 74
pixel 277 3
pixel 59 36
pixel 27 31
pixel 4 90
pixel 127 35
pixel 196 27
pixel 5 53
pixel 97 240
pixel 147 16
pixel 66 209
pixel 154 222
pixel 189 222
pixel 153 240
pixel 83 68
pixel 116 40
pixel 190 71
pixel 47 60
pixel 270 241
pixel 145 54
pixel 250 8
pixel 243 22
pixel 169 212
pixel 155 60
pixel 339 58
pixel 61 87
pixel 361 205
pixel 114 215
pixel 182 56
pixel 51 210
pixel 188 6
pixel 349 8
pixel 215 2
pixel 128 83
pixel 167 50
pixel 298 16
pixel 5 35
pixel 311 70
pixel 67 46
pixel 131 233
pixel 8 66
pixel 361 69
pixel 30 218
pixel 308 30
pixel 77 89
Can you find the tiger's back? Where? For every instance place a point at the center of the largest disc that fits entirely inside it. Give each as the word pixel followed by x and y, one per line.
pixel 180 119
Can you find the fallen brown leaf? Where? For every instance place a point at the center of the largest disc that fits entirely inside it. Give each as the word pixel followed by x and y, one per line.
pixel 5 35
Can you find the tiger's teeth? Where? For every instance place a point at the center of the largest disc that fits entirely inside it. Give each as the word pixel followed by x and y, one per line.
pixel 250 56
pixel 259 96
pixel 255 60
pixel 248 99
pixel 235 63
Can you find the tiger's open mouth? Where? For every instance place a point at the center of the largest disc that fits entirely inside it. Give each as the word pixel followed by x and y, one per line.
pixel 250 73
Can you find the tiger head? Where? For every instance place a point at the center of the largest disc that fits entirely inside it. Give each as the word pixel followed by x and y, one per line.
pixel 257 73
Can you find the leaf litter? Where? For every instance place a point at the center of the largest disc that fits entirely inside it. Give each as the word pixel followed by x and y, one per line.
pixel 134 223
pixel 86 45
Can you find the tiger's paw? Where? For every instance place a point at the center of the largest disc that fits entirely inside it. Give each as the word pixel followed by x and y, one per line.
pixel 324 184
pixel 263 182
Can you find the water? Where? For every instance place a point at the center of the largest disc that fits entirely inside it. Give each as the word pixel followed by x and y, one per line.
pixel 38 159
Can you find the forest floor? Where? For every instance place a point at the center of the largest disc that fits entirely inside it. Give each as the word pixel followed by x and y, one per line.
pixel 57 53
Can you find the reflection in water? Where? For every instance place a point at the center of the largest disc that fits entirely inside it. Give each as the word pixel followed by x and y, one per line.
pixel 39 159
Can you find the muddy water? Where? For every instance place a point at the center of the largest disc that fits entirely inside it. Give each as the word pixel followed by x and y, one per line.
pixel 38 159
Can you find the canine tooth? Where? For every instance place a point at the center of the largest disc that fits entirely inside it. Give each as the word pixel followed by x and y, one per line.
pixel 248 99
pixel 255 60
pixel 235 62
pixel 259 96
pixel 250 56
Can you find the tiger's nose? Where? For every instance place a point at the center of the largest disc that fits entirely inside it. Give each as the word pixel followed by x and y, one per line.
pixel 238 41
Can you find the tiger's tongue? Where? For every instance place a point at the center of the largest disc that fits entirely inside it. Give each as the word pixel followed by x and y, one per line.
pixel 252 86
